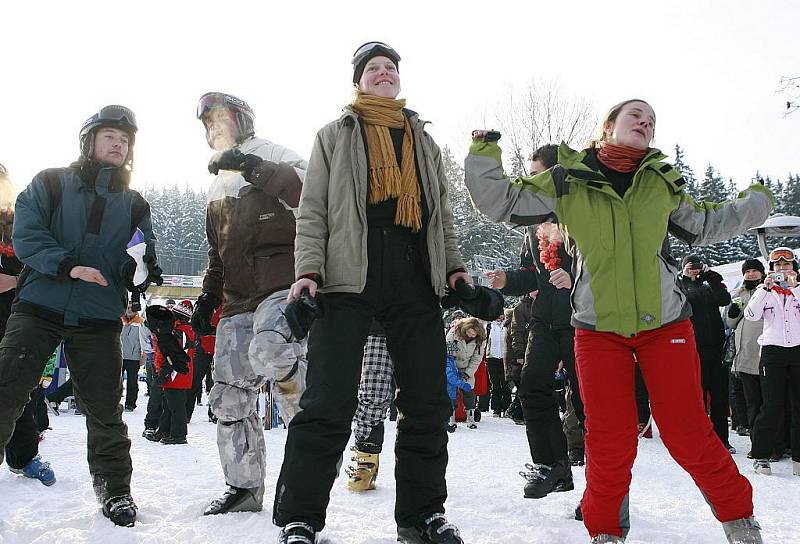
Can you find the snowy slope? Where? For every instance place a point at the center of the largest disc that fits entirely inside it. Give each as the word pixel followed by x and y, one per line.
pixel 485 491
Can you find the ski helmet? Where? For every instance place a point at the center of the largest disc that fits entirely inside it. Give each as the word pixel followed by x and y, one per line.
pixel 245 117
pixel 785 254
pixel 113 116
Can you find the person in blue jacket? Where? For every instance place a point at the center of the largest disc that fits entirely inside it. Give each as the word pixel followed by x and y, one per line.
pixel 71 229
pixel 455 381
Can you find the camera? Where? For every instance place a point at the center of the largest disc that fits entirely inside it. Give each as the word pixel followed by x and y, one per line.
pixel 779 277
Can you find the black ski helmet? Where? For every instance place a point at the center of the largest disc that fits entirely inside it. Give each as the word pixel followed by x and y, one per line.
pixel 113 116
pixel 245 118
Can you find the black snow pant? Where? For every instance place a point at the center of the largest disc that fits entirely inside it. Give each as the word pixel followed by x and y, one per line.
pixel 779 367
pixel 94 356
pixel 24 443
pixel 499 393
pixel 714 380
pixel 738 402
pixel 399 295
pixel 546 347
pixel 173 413
pixel 131 369
pixel 642 396
pixel 155 405
pixel 751 384
pixel 201 364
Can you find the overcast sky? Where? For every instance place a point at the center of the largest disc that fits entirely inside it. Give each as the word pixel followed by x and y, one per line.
pixel 710 69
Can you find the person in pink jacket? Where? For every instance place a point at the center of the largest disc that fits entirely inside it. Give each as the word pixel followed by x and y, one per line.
pixel 777 301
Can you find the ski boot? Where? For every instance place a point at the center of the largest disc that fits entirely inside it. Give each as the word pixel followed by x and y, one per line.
pixel 451 425
pixel 236 499
pixel 608 539
pixel 471 420
pixel 362 475
pixel 120 510
pixel 432 530
pixel 297 533
pixel 743 531
pixel 549 479
pixel 38 470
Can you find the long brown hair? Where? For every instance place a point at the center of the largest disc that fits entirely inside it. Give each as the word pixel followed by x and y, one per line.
pixel 467 323
pixel 609 118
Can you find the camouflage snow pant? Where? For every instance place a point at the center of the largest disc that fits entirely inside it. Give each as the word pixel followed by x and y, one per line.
pixel 253 349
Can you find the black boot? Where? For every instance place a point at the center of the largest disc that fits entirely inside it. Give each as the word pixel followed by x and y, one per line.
pixel 297 533
pixel 549 479
pixel 236 499
pixel 434 529
pixel 120 510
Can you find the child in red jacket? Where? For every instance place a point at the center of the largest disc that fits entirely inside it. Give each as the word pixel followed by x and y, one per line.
pixel 172 424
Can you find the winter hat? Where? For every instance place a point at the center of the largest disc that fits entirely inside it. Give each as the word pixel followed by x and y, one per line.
pixel 753 264
pixel 782 253
pixel 370 50
pixel 691 258
pixel 181 311
pixel 169 302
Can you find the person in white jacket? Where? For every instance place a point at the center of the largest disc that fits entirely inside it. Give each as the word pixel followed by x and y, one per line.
pixel 777 301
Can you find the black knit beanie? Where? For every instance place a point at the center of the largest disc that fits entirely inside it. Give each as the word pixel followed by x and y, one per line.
pixel 753 264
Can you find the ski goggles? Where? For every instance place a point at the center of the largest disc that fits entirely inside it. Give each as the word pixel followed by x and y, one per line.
pixel 213 100
pixel 118 114
pixel 369 48
pixel 779 254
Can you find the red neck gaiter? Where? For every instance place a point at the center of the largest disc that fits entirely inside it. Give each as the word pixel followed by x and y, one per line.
pixel 620 158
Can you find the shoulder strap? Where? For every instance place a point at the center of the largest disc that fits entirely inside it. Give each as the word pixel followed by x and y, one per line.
pixel 139 208
pixel 52 180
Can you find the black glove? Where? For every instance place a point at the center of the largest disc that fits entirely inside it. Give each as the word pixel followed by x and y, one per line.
pixel 234 159
pixel 203 310
pixel 734 311
pixel 301 313
pixel 711 276
pixel 477 300
pixel 154 272
pixel 161 323
pixel 127 272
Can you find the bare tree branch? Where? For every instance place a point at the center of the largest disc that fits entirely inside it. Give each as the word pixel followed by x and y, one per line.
pixel 790 86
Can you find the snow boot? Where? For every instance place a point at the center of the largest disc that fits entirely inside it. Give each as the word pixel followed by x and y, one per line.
pixel 38 470
pixel 171 440
pixel 297 533
pixel 576 457
pixel 362 475
pixel 608 539
pixel 471 420
pixel 153 435
pixel 743 531
pixel 432 530
pixel 551 479
pixel 578 513
pixel 120 510
pixel 236 499
pixel 761 466
pixel 451 425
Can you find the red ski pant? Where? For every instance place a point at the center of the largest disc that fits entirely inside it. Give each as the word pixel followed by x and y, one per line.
pixel 671 369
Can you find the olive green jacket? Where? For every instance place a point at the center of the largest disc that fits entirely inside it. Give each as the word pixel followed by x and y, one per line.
pixel 332 217
pixel 625 279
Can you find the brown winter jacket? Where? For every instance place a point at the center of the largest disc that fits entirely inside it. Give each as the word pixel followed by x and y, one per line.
pixel 251 228
pixel 332 219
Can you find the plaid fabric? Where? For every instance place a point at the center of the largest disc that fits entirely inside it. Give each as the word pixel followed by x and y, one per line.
pixel 375 388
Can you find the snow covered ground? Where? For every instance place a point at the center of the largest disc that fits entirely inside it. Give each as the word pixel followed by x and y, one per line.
pixel 172 485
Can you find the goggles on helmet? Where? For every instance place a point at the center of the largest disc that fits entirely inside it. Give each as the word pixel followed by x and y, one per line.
pixel 781 253
pixel 368 48
pixel 219 100
pixel 112 116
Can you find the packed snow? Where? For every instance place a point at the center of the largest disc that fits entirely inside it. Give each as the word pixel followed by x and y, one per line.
pixel 173 484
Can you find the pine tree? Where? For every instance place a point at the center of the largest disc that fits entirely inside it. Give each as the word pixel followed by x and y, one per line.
pixel 686 171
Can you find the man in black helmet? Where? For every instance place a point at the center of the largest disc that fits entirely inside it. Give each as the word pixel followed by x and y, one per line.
pixel 72 226
pixel 250 225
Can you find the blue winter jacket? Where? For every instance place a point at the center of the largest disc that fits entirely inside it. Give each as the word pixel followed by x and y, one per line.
pixel 454 381
pixel 62 221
